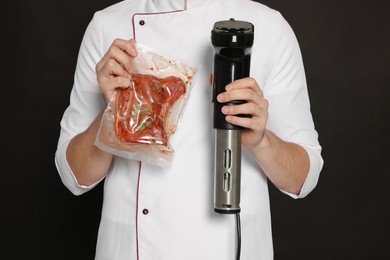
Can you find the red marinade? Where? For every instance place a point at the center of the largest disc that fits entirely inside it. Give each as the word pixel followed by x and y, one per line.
pixel 143 109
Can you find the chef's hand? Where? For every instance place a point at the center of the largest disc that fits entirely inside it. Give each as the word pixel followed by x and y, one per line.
pixel 114 69
pixel 256 107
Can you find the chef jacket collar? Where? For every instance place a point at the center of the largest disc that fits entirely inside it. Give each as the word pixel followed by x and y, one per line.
pixel 157 6
pixel 161 6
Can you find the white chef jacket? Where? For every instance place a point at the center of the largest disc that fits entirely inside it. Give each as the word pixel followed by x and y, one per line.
pixel 152 213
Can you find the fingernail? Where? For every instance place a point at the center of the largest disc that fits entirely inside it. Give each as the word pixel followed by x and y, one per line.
pixel 225 110
pixel 228 87
pixel 221 97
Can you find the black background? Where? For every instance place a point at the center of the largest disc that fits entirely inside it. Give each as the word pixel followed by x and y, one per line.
pixel 345 47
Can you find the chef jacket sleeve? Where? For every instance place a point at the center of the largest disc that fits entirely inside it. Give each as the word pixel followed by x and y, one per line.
pixel 86 102
pixel 286 90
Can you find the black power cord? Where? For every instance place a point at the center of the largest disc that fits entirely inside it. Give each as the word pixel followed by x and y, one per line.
pixel 238 223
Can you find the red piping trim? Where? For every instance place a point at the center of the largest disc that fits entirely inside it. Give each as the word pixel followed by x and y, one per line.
pixel 140 163
pixel 136 209
pixel 168 12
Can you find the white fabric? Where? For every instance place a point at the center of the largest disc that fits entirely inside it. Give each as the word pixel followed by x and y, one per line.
pixel 181 223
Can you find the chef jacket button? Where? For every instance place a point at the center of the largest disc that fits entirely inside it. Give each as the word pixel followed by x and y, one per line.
pixel 145 211
pixel 141 22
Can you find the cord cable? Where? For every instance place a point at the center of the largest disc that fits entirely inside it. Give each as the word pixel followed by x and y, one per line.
pixel 238 224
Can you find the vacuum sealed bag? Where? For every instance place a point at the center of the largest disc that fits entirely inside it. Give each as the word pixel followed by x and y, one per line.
pixel 139 121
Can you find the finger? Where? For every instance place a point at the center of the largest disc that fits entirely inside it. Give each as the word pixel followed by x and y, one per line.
pixel 111 69
pixel 123 52
pixel 243 109
pixel 246 94
pixel 244 83
pixel 127 46
pixel 245 122
pixel 111 84
pixel 122 58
